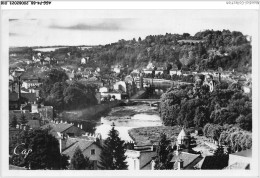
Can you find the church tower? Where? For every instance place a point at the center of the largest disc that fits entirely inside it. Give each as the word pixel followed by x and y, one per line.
pixel 183 139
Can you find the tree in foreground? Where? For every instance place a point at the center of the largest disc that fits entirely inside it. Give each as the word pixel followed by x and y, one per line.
pixel 113 152
pixel 78 162
pixel 45 153
pixel 163 154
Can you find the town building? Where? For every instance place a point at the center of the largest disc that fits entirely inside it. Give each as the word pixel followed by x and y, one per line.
pixel 184 160
pixel 34 124
pixel 83 61
pixel 183 139
pixel 31 83
pixel 16 99
pixel 121 86
pixel 63 129
pixel 103 89
pixel 159 70
pixel 117 94
pixel 140 159
pixel 174 71
pixel 89 148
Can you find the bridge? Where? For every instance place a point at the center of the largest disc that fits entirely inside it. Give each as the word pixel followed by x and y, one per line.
pixel 145 100
pixel 149 101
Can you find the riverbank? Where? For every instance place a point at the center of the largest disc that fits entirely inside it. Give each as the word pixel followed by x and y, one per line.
pixel 126 112
pixel 128 117
pixel 151 135
pixel 89 113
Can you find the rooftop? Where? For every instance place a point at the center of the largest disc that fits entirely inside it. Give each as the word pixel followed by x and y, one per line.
pixel 33 124
pixel 182 134
pixel 212 162
pixel 73 143
pixel 31 81
pixel 245 153
pixel 146 158
pixel 187 158
pixel 61 127
pixel 238 165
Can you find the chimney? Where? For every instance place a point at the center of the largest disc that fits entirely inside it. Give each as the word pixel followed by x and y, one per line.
pixel 62 143
pixel 180 164
pixel 219 77
pixel 19 91
pixel 153 164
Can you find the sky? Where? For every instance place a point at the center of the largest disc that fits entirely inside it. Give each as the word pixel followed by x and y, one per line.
pixel 94 27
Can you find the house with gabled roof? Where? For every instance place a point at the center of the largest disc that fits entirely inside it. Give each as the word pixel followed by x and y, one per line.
pixel 184 160
pixel 89 148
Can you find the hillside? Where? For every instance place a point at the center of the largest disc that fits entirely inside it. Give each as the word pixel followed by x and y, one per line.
pixel 205 50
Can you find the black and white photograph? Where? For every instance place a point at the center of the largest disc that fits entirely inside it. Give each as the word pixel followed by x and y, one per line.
pixel 150 90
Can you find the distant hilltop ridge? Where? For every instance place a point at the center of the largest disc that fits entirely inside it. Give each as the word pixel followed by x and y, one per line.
pixel 208 49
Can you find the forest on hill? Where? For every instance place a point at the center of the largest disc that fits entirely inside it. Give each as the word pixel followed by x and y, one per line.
pixel 205 50
pixel 225 49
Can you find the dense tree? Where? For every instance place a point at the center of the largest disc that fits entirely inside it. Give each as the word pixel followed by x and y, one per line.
pixel 187 112
pixel 77 96
pixel 113 152
pixel 162 160
pixel 56 98
pixel 169 108
pixel 219 151
pixel 245 122
pixel 14 121
pixel 236 138
pixel 45 153
pixel 52 77
pixel 23 119
pixel 201 116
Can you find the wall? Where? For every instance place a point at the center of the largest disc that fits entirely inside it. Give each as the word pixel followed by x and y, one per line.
pixel 96 157
pixel 74 130
pixel 132 159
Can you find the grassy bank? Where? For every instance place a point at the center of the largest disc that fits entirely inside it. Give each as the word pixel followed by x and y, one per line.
pixel 128 111
pixel 151 135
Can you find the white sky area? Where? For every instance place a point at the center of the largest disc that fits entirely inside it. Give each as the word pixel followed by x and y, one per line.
pixel 94 27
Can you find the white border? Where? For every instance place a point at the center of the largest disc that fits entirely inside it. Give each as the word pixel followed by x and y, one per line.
pixel 7 13
pixel 142 4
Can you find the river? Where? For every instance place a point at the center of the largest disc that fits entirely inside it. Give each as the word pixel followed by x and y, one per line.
pixel 128 117
pixel 124 118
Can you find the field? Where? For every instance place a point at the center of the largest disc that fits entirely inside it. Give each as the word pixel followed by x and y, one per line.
pixel 150 135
